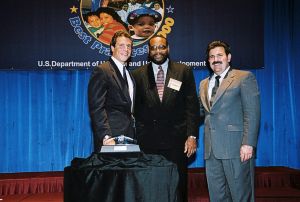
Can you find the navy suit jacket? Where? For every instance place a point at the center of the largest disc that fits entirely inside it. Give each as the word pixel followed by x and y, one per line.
pixel 109 103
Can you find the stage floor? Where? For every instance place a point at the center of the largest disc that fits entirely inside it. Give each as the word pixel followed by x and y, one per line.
pixel 272 184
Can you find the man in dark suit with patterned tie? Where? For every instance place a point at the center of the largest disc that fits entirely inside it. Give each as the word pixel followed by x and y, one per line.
pixel 111 92
pixel 229 101
pixel 167 109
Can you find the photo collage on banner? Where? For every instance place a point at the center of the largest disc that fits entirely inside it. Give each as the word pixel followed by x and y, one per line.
pixel 75 34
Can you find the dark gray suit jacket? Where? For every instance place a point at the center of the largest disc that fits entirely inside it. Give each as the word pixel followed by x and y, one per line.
pixel 109 103
pixel 234 117
pixel 165 124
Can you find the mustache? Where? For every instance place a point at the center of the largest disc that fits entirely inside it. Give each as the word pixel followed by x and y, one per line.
pixel 216 62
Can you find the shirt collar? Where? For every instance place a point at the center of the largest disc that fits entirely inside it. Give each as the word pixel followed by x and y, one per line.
pixel 223 73
pixel 164 66
pixel 119 64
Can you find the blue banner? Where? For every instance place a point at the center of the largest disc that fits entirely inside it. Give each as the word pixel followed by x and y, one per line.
pixel 74 34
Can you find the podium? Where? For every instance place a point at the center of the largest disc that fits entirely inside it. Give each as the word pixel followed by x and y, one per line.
pixel 105 177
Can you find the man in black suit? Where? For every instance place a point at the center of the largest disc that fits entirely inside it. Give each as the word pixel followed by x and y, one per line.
pixel 111 92
pixel 167 109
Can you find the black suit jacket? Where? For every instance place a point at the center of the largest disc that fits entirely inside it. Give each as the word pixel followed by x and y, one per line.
pixel 109 103
pixel 166 124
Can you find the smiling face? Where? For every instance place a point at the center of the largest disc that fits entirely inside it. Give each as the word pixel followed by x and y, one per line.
pixel 125 7
pixel 106 18
pixel 156 6
pixel 144 27
pixel 218 60
pixel 94 21
pixel 158 50
pixel 122 49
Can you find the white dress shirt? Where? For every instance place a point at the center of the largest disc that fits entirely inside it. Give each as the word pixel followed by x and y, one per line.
pixel 213 79
pixel 164 68
pixel 129 80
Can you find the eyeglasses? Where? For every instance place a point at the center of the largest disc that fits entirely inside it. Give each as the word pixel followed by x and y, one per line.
pixel 160 47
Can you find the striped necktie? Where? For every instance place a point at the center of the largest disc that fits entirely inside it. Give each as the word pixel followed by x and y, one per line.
pixel 214 90
pixel 160 82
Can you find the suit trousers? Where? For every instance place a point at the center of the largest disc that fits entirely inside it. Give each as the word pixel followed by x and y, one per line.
pixel 177 156
pixel 230 179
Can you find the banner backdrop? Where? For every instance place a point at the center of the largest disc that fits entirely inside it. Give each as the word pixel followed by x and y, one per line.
pixel 75 34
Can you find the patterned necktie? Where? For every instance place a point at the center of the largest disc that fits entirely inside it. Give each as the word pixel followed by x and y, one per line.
pixel 160 82
pixel 124 75
pixel 215 88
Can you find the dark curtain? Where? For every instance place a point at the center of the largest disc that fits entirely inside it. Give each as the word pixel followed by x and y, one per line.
pixel 44 120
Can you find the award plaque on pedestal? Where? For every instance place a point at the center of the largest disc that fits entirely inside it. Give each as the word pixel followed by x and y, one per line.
pixel 119 148
pixel 124 146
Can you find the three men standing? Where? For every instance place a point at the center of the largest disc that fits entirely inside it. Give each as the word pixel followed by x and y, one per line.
pixel 167 113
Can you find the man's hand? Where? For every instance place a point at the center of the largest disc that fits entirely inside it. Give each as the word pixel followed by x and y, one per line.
pixel 246 152
pixel 107 140
pixel 190 146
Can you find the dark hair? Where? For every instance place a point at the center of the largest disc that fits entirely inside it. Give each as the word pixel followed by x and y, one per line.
pixel 158 36
pixel 215 44
pixel 136 14
pixel 156 2
pixel 89 14
pixel 117 35
pixel 112 13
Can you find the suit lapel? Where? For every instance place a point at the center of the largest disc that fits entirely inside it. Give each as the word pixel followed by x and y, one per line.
pixel 224 85
pixel 134 87
pixel 119 80
pixel 152 90
pixel 116 73
pixel 204 95
pixel 171 73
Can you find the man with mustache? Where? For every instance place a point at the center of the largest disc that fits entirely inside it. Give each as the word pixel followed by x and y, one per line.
pixel 229 101
pixel 167 109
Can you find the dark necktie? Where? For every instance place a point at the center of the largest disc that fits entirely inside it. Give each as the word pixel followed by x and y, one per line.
pixel 215 88
pixel 160 82
pixel 124 75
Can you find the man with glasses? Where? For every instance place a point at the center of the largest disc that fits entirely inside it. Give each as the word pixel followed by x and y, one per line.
pixel 167 109
pixel 111 91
